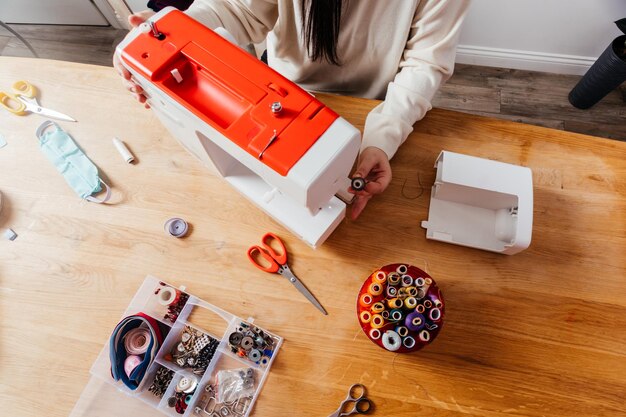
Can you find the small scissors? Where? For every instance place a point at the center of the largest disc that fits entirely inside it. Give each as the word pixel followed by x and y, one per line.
pixel 23 100
pixel 278 264
pixel 357 400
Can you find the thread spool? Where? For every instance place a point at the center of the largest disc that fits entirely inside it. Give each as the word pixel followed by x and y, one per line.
pixel 395 315
pixel 424 336
pixel 365 300
pixel 385 314
pixel 421 293
pixel 394 303
pixel 412 291
pixel 414 321
pixel 435 314
pixel 392 291
pixel 420 308
pixel 377 321
pixel 391 341
pixel 437 302
pixel 410 302
pixel 402 269
pixel 365 316
pixel 375 334
pixel 407 280
pixel 402 331
pixel 393 278
pixel 403 292
pixel 375 288
pixel 420 282
pixel 428 303
pixel 428 281
pixel 378 307
pixel 380 277
pixel 408 342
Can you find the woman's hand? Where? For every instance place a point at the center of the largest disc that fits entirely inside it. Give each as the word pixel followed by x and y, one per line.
pixel 134 20
pixel 374 167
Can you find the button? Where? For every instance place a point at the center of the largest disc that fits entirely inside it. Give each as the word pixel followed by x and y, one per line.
pixel 176 227
pixel 186 385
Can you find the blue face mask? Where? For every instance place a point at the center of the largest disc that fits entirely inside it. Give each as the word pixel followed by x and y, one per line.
pixel 79 172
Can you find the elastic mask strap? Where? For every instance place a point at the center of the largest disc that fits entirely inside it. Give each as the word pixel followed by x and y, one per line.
pixel 44 126
pixel 106 197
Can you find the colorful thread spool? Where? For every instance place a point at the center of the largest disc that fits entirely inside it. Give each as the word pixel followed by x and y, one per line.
pixel 410 302
pixel 391 341
pixel 380 277
pixel 414 321
pixel 394 303
pixel 375 288
pixel 393 278
pixel 378 307
pixel 365 300
pixel 377 321
pixel 365 316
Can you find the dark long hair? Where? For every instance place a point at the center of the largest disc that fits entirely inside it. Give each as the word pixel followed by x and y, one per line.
pixel 321 19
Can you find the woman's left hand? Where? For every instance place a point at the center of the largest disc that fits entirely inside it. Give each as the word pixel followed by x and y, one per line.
pixel 374 167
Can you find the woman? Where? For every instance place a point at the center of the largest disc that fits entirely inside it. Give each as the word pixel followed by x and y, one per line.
pixel 400 51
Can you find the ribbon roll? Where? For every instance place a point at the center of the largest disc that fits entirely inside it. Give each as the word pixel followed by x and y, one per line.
pixel 378 307
pixel 168 295
pixel 414 321
pixel 377 321
pixel 365 316
pixel 365 300
pixel 119 341
pixel 136 341
pixel 391 341
pixel 375 334
pixel 375 288
pixel 380 277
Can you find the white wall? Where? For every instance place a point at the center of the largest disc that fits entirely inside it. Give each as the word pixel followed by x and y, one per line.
pixel 563 36
pixel 68 12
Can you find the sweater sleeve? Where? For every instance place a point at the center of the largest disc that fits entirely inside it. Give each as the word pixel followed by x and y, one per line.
pixel 248 21
pixel 427 61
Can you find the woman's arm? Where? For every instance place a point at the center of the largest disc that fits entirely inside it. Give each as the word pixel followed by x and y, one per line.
pixel 248 21
pixel 428 60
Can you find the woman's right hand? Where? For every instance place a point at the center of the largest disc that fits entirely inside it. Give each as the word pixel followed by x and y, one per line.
pixel 134 20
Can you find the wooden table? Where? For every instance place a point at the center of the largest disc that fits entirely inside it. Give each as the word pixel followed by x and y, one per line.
pixel 541 333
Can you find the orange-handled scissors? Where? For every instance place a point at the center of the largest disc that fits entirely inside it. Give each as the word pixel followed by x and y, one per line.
pixel 271 256
pixel 24 101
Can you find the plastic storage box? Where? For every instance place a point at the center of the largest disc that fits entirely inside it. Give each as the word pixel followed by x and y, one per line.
pixel 103 396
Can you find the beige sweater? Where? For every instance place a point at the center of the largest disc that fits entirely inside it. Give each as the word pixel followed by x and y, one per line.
pixel 397 50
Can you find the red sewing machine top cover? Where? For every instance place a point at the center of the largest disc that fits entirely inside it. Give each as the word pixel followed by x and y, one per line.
pixel 230 90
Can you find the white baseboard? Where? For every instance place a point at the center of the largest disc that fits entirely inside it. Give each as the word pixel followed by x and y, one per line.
pixel 524 60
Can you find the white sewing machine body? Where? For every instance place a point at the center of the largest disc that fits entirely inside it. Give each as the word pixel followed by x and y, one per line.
pixel 221 111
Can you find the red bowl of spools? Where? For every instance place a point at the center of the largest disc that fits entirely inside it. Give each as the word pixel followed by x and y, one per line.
pixel 400 308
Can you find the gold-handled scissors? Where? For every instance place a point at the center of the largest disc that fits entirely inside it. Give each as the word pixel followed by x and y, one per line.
pixel 273 259
pixel 23 100
pixel 355 403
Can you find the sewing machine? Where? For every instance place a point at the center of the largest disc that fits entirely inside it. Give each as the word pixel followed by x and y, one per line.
pixel 271 140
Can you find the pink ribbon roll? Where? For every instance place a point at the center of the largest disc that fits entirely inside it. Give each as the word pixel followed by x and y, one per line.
pixel 137 341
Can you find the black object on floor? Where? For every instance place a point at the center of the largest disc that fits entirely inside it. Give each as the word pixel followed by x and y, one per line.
pixel 605 75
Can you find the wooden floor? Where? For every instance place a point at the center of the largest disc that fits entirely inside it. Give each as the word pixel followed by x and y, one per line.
pixel 524 96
